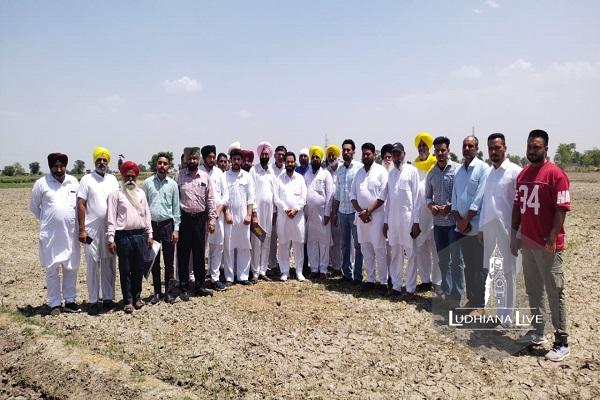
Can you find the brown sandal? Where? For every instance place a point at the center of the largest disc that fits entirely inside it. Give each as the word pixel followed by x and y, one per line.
pixel 128 308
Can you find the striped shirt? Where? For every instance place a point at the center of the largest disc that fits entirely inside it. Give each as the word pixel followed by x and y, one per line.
pixel 438 190
pixel 345 176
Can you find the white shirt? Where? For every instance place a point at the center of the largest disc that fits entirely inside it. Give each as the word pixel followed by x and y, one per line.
pixel 264 184
pixel 241 194
pixel 318 204
pixel 290 193
pixel 403 204
pixel 54 204
pixel 221 197
pixel 368 187
pixel 499 195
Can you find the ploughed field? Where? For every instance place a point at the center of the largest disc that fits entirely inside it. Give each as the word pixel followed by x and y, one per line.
pixel 280 340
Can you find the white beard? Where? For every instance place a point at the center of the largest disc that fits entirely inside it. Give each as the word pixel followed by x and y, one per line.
pixel 130 191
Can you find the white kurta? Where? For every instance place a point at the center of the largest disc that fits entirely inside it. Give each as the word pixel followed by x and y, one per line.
pixel 319 194
pixel 221 197
pixel 94 189
pixel 403 205
pixel 425 217
pixel 241 194
pixel 264 184
pixel 368 187
pixel 290 193
pixel 54 204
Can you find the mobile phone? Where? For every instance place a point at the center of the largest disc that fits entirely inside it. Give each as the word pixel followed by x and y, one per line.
pixel 88 240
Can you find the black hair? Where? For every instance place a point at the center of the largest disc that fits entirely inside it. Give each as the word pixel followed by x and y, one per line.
pixel 280 147
pixel 368 146
pixel 235 152
pixel 222 155
pixel 166 155
pixel 350 142
pixel 495 136
pixel 538 133
pixel 441 140
pixel 387 148
pixel 290 153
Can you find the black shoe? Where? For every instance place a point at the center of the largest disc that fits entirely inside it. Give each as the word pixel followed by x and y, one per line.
pixel 424 287
pixel 367 286
pixel 155 299
pixel 202 291
pixel 410 297
pixel 394 293
pixel 72 307
pixel 184 296
pixel 138 303
pixel 169 299
pixel 54 311
pixel 109 304
pixel 218 286
pixel 254 280
pixel 95 309
pixel 245 283
pixel 228 284
pixel 265 278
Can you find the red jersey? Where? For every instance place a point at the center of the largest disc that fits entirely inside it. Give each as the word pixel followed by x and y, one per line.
pixel 540 191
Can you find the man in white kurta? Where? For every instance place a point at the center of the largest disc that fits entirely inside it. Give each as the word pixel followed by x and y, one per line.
pixel 216 240
pixel 424 250
pixel 238 217
pixel 402 212
pixel 495 219
pixel 368 193
pixel 319 189
pixel 290 199
pixel 264 183
pixel 53 202
pixel 92 206
pixel 333 153
pixel 278 168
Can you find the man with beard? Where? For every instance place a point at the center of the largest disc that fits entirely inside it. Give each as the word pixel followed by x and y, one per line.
pixel 333 153
pixel 495 220
pixel 290 199
pixel 53 202
pixel 386 157
pixel 368 193
pixel 467 193
pixel 196 201
pixel 303 161
pixel 438 195
pixel 223 162
pixel 238 216
pixel 92 199
pixel 541 203
pixel 216 240
pixel 319 187
pixel 402 210
pixel 129 234
pixel 247 160
pixel 264 182
pixel 162 194
pixel 342 213
pixel 426 259
pixel 278 167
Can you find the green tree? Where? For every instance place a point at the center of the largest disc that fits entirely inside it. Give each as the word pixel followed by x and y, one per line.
pixel 591 158
pixel 524 161
pixel 480 155
pixel 9 170
pixel 515 159
pixel 78 167
pixel 34 168
pixel 453 157
pixel 143 167
pixel 19 170
pixel 565 154
pixel 152 161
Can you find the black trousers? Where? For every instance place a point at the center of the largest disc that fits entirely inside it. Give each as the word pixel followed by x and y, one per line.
pixel 162 232
pixel 131 246
pixel 475 273
pixel 192 233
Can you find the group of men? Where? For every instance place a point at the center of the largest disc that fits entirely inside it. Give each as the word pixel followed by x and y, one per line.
pixel 434 218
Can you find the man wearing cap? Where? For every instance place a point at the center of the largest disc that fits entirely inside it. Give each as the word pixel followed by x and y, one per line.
pixel 238 216
pixel 264 182
pixel 368 193
pixel 54 204
pixel 290 199
pixel 333 153
pixel 196 201
pixel 402 211
pixel 216 240
pixel 92 199
pixel 426 259
pixel 129 234
pixel 162 194
pixel 319 189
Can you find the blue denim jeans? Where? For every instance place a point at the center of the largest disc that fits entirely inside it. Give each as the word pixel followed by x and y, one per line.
pixel 450 260
pixel 348 232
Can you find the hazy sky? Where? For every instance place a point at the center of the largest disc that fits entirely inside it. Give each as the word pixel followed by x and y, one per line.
pixel 139 77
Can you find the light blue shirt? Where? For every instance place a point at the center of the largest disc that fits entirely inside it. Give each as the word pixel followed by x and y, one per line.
pixel 469 184
pixel 345 176
pixel 163 199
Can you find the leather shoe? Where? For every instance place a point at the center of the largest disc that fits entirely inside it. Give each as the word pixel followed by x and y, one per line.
pixel 128 308
pixel 184 296
pixel 139 303
pixel 202 291
pixel 155 299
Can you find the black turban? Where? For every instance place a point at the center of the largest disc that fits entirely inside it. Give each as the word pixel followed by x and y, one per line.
pixel 54 157
pixel 209 148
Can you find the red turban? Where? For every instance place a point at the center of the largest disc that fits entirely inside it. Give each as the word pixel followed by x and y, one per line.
pixel 248 154
pixel 129 166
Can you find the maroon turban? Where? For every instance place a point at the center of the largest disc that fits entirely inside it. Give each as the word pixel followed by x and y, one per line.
pixel 128 166
pixel 248 154
pixel 54 157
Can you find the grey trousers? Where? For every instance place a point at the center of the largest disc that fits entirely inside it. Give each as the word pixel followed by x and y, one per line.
pixel 543 270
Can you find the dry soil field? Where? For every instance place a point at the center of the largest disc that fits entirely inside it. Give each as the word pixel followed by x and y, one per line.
pixel 275 340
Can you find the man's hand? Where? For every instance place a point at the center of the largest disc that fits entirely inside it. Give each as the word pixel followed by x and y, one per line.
pixel 334 219
pixel 291 213
pixel 415 230
pixel 385 230
pixel 326 220
pixel 211 228
pixel 434 209
pixel 247 219
pixel 83 235
pixel 228 217
pixel 112 247
pixel 254 219
pixel 150 241
pixel 550 246
pixel 364 216
pixel 175 237
pixel 462 225
pixel 515 245
pixel 444 210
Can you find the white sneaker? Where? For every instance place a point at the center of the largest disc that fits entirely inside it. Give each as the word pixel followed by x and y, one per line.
pixel 532 338
pixel 300 277
pixel 558 353
pixel 283 278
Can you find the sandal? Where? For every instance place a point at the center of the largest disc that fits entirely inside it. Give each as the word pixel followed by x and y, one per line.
pixel 128 308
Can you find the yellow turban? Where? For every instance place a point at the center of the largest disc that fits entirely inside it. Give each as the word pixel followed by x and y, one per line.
pixel 425 137
pixel 318 150
pixel 336 150
pixel 101 152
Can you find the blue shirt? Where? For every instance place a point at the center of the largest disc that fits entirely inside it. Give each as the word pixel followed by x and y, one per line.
pixel 438 190
pixel 345 176
pixel 163 199
pixel 469 183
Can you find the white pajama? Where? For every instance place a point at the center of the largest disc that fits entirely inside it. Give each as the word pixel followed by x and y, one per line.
pixel 283 255
pixel 260 255
pixel 239 265
pixel 66 291
pixel 215 256
pixel 372 256
pixel 318 256
pixel 100 275
pixel 426 261
pixel 397 270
